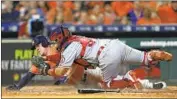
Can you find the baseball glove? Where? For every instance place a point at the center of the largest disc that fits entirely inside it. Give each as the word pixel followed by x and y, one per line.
pixel 37 61
pixel 40 64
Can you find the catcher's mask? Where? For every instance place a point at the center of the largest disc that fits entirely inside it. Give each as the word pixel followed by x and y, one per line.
pixel 39 39
pixel 60 34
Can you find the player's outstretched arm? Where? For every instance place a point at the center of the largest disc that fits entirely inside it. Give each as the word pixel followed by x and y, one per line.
pixel 24 81
pixel 63 74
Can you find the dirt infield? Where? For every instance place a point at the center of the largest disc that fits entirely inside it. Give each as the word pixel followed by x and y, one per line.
pixel 65 91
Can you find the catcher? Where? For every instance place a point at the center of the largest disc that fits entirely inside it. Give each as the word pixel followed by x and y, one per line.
pixel 109 55
pixel 45 65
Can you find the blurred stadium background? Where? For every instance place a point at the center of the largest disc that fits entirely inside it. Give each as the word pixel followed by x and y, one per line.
pixel 144 25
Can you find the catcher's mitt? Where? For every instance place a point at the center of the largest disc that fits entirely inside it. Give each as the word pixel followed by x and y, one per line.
pixel 37 61
pixel 41 64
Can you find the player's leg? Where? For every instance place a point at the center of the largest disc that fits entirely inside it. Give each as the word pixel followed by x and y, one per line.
pixel 94 77
pixel 154 72
pixel 141 83
pixel 134 56
pixel 143 72
pixel 120 53
pixel 110 61
pixel 115 54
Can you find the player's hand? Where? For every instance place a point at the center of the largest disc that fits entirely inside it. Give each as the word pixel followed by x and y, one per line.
pixel 62 80
pixel 40 64
pixel 44 69
pixel 13 88
pixel 37 61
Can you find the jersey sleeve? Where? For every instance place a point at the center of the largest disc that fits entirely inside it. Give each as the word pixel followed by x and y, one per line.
pixel 71 53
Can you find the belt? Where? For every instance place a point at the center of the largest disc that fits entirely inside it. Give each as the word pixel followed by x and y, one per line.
pixel 100 50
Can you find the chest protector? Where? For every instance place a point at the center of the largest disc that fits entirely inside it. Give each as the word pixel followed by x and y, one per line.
pixel 84 42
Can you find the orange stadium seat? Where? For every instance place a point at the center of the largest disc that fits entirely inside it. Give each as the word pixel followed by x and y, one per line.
pixel 122 8
pixel 144 21
pixel 167 14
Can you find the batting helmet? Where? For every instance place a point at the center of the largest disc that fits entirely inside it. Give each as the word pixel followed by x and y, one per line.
pixel 39 39
pixel 60 34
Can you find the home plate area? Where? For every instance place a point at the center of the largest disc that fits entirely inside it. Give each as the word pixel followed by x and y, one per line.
pixel 66 91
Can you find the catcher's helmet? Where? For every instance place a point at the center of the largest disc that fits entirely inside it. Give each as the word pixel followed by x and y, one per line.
pixel 39 39
pixel 60 34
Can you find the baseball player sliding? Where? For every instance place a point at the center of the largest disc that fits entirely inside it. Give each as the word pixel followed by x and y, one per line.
pixel 45 64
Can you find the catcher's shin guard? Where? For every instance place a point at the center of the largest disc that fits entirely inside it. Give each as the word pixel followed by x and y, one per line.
pixel 141 72
pixel 131 75
pixel 128 80
pixel 144 72
pixel 115 84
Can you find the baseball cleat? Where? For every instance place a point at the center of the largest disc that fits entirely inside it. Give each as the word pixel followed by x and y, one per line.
pixel 160 55
pixel 159 85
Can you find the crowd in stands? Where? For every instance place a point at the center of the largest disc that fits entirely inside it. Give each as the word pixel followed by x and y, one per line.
pixel 92 12
pixel 89 12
